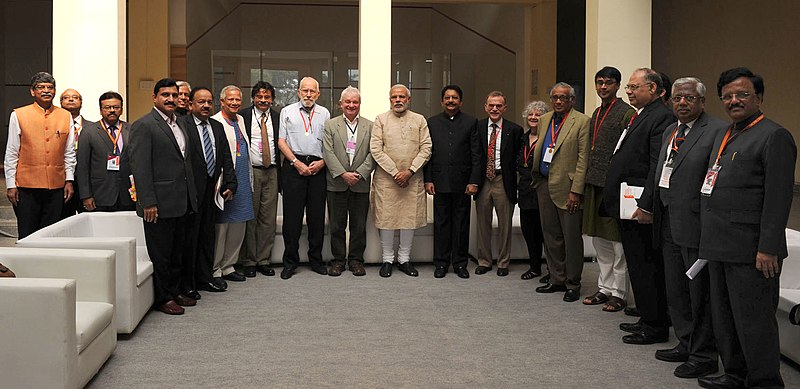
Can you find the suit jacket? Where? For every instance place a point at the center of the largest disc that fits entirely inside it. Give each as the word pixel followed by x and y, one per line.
pixel 570 159
pixel 509 148
pixel 247 115
pixel 163 177
pixel 223 164
pixel 635 160
pixel 689 168
pixel 91 174
pixel 749 206
pixel 455 153
pixel 334 150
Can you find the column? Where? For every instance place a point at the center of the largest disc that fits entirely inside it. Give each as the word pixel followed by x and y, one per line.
pixel 374 55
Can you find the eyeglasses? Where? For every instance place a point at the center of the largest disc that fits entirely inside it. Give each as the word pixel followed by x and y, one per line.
pixel 560 98
pixel 604 82
pixel 738 95
pixel 689 99
pixel 44 87
pixel 493 106
pixel 633 87
pixel 111 107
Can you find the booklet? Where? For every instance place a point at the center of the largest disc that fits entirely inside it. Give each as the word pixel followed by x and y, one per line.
pixel 628 194
pixel 698 265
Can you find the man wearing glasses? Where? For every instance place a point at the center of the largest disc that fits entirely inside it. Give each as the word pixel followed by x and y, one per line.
pixel 40 158
pixel 634 163
pixel 72 101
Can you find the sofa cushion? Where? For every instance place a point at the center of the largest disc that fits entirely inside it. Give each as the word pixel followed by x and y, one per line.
pixel 91 318
pixel 144 267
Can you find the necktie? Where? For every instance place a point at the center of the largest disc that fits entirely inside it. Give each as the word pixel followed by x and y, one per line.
pixel 208 150
pixel 113 131
pixel 77 128
pixel 680 136
pixel 491 155
pixel 266 154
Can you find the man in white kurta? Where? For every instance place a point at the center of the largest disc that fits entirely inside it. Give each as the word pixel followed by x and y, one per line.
pixel 400 145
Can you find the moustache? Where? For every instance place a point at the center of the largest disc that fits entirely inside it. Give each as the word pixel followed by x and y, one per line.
pixel 169 103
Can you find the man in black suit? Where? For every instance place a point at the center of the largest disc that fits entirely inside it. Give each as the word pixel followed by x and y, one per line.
pixel 166 194
pixel 210 157
pixel 451 177
pixel 680 171
pixel 745 207
pixel 103 171
pixel 500 143
pixel 634 162
pixel 261 123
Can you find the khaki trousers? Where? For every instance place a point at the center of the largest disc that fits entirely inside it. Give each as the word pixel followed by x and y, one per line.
pixel 260 235
pixel 493 197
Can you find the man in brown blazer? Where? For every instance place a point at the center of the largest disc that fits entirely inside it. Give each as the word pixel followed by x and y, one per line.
pixel 345 147
pixel 559 173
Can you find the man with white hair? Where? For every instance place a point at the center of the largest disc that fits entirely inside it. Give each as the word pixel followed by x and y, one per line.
pixel 400 145
pixel 350 165
pixel 302 125
pixel 182 106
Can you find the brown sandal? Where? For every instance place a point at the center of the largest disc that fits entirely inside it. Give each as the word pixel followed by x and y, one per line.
pixel 595 299
pixel 614 304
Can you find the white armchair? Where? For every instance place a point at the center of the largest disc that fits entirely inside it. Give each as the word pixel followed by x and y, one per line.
pixel 790 297
pixel 121 232
pixel 57 329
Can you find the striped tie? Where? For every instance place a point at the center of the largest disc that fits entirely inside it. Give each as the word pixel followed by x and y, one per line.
pixel 208 150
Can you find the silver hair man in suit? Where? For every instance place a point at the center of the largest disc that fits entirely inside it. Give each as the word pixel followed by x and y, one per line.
pixel 350 164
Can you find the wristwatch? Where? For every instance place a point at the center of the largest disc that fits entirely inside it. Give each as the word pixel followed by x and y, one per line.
pixel 293 161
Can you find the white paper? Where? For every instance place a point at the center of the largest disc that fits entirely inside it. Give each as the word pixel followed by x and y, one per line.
pixel 218 200
pixel 628 194
pixel 698 265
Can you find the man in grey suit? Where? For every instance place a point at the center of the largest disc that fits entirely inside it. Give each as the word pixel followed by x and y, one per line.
pixel 680 171
pixel 103 171
pixel 350 164
pixel 745 205
pixel 166 195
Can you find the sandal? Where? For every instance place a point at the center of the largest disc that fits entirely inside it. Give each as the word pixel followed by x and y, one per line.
pixel 531 273
pixel 595 299
pixel 614 304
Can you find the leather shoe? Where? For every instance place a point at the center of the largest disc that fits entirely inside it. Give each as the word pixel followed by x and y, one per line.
pixel 408 268
pixel 235 277
pixel 357 268
pixel 386 269
pixel 550 288
pixel 440 272
pixel 287 272
pixel 633 328
pixel 319 269
pixel 482 269
pixel 335 269
pixel 210 287
pixel 462 272
pixel 185 301
pixel 502 271
pixel 645 338
pixel 265 270
pixel 220 282
pixel 571 295
pixel 695 369
pixel 672 355
pixel 193 294
pixel 632 311
pixel 724 381
pixel 545 279
pixel 171 308
pixel 249 271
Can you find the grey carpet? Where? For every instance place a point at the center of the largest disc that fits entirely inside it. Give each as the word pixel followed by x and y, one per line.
pixel 319 331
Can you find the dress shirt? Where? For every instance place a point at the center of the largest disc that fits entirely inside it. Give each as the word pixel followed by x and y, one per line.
pixel 176 131
pixel 199 125
pixel 256 153
pixel 685 134
pixel 497 144
pixel 352 135
pixel 118 125
pixel 295 120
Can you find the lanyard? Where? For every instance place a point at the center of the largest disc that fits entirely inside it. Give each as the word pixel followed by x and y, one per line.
pixel 554 133
pixel 114 140
pixel 307 126
pixel 527 150
pixel 597 126
pixel 728 136
pixel 351 129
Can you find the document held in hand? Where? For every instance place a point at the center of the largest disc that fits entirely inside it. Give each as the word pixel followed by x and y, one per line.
pixel 698 265
pixel 628 194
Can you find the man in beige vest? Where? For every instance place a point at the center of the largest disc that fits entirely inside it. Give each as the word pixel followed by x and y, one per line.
pixel 40 158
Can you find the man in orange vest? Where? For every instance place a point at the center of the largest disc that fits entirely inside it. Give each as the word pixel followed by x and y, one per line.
pixel 40 158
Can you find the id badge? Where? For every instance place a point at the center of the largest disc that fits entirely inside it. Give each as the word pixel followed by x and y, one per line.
pixel 113 163
pixel 261 147
pixel 666 173
pixel 351 147
pixel 548 155
pixel 710 180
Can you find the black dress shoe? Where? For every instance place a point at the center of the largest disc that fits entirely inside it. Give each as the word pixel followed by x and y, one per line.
pixel 572 295
pixel 287 272
pixel 482 269
pixel 545 279
pixel 249 271
pixel 632 311
pixel 235 277
pixel 386 270
pixel 645 337
pixel 408 268
pixel 265 270
pixel 631 327
pixel 462 272
pixel 725 381
pixel 220 282
pixel 672 355
pixel 502 271
pixel 439 272
pixel 550 288
pixel 193 294
pixel 320 269
pixel 210 287
pixel 695 369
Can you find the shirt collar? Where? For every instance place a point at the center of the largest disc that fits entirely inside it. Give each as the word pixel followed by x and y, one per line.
pixel 353 123
pixel 165 117
pixel 499 123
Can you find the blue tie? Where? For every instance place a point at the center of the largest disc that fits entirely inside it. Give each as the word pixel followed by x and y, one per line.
pixel 208 150
pixel 113 131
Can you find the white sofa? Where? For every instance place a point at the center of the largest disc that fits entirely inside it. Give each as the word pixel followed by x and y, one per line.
pixel 57 322
pixel 121 232
pixel 790 297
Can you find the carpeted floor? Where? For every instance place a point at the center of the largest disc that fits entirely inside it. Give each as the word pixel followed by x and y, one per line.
pixel 319 331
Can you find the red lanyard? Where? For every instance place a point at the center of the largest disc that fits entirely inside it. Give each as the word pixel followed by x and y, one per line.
pixel 528 149
pixel 307 127
pixel 554 133
pixel 596 126
pixel 728 136
pixel 108 132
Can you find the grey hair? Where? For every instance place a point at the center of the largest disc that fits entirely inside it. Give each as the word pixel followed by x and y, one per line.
pixel 41 78
pixel 397 86
pixel 651 75
pixel 350 90
pixel 564 85
pixel 306 79
pixel 699 86
pixel 534 106
pixel 229 88
pixel 182 83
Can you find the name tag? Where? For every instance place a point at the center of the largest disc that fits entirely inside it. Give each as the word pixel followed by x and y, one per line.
pixel 548 155
pixel 261 146
pixel 113 163
pixel 710 180
pixel 666 173
pixel 350 147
